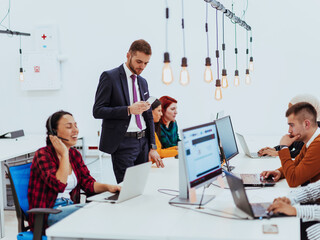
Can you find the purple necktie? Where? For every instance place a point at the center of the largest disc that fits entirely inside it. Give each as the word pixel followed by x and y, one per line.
pixel 135 99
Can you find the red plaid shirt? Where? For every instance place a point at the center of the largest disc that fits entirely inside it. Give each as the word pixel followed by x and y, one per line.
pixel 44 186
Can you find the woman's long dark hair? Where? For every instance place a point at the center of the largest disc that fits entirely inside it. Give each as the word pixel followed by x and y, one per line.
pixel 157 127
pixel 52 124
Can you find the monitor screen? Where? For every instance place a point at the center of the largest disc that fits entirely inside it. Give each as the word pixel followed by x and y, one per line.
pixel 202 154
pixel 227 137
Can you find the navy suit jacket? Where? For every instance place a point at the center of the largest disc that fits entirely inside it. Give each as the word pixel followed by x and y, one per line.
pixel 111 105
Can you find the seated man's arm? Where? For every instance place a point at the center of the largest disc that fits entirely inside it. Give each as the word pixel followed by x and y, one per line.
pixel 303 168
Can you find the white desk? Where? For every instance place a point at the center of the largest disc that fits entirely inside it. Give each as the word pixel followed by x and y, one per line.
pixel 15 149
pixel 151 217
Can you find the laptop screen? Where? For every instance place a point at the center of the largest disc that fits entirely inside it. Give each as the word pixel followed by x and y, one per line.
pixel 226 137
pixel 202 155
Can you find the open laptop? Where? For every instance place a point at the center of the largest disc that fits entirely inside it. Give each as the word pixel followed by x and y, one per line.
pixel 245 148
pixel 134 182
pixel 255 180
pixel 253 210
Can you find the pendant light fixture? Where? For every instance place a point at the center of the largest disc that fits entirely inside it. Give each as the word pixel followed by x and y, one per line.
pixel 218 92
pixel 247 78
pixel 224 70
pixel 251 68
pixel 21 76
pixel 184 74
pixel 167 76
pixel 208 77
pixel 236 73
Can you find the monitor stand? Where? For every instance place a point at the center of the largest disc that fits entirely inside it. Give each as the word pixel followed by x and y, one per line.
pixel 186 201
pixel 183 197
pixel 228 168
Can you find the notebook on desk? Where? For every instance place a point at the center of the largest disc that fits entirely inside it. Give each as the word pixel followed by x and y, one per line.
pixel 134 182
pixel 253 210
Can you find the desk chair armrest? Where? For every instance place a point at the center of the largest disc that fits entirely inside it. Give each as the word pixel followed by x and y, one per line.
pixel 44 211
pixel 39 213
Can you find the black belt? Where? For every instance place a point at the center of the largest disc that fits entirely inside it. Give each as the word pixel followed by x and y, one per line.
pixel 136 135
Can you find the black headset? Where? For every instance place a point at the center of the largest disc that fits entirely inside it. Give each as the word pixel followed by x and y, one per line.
pixel 52 131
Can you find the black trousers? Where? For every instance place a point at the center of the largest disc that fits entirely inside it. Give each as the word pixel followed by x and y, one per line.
pixel 131 152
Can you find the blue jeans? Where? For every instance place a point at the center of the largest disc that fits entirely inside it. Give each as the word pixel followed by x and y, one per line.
pixel 66 206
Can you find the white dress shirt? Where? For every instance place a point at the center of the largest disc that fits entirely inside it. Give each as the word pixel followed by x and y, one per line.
pixel 309 193
pixel 133 127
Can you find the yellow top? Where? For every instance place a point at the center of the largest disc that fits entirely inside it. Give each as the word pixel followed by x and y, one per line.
pixel 165 152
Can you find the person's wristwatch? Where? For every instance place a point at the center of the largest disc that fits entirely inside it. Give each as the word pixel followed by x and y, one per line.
pixel 153 146
pixel 282 147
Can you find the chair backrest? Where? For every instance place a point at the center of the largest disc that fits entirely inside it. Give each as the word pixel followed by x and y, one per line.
pixel 19 179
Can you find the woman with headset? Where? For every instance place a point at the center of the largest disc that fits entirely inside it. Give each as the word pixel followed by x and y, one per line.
pixel 58 171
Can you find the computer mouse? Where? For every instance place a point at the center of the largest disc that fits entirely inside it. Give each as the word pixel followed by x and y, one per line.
pixel 269 178
pixel 277 214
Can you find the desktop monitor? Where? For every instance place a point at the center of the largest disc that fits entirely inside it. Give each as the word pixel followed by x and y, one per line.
pixel 227 138
pixel 199 161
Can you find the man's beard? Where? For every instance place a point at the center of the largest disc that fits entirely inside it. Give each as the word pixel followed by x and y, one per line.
pixel 131 66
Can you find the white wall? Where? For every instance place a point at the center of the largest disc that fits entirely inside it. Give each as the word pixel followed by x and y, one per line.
pixel 95 35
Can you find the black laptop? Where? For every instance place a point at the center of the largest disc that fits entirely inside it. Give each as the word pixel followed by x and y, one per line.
pixel 254 210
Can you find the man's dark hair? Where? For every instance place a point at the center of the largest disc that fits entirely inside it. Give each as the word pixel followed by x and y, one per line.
pixel 303 111
pixel 140 46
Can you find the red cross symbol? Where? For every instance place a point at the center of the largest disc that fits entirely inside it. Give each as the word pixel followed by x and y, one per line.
pixel 44 37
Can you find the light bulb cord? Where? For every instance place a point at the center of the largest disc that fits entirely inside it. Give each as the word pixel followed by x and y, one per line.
pixel 223 44
pixel 7 15
pixel 247 52
pixel 20 51
pixel 245 11
pixel 251 43
pixel 217 52
pixel 235 40
pixel 167 19
pixel 183 34
pixel 206 28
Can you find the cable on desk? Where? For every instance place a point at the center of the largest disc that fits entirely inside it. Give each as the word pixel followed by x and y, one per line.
pixel 211 214
pixel 162 190
pixel 246 188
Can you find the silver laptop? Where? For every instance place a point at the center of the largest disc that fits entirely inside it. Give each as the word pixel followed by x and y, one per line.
pixel 134 182
pixel 245 148
pixel 255 180
pixel 220 114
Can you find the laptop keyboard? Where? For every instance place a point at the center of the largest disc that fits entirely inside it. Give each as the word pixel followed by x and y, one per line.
pixel 254 154
pixel 260 209
pixel 113 197
pixel 250 178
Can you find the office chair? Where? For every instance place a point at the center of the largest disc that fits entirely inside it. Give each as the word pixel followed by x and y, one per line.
pixel 19 179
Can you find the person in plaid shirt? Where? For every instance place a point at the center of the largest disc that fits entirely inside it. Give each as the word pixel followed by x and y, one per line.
pixel 58 171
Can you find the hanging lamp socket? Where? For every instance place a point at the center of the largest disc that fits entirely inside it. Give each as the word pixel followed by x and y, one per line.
pixel 218 83
pixel 184 62
pixel 166 57
pixel 224 72
pixel 208 61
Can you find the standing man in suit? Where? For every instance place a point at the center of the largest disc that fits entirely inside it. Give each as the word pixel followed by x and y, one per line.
pixel 127 122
